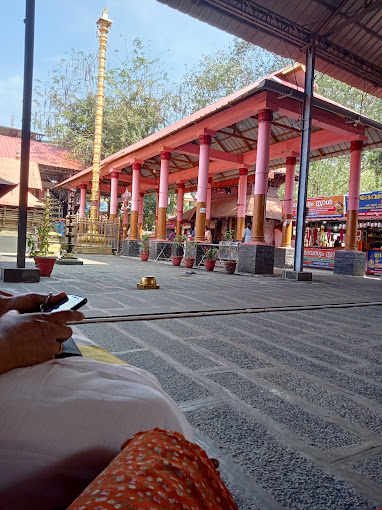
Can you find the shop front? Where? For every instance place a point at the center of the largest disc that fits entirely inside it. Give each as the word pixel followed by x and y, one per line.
pixel 326 230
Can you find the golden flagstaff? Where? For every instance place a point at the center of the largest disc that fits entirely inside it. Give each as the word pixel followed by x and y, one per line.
pixel 103 25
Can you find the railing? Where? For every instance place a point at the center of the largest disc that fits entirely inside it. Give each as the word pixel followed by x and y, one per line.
pixel 101 236
pixel 9 218
pixel 226 251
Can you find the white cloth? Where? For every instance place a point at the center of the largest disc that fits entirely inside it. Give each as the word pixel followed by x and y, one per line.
pixel 61 423
pixel 247 234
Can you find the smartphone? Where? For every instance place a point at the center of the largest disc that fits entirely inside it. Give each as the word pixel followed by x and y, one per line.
pixel 69 302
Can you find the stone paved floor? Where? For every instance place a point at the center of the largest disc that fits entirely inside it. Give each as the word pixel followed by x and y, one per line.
pixel 289 401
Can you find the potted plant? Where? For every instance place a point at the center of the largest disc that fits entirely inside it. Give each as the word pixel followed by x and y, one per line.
pixel 178 251
pixel 189 253
pixel 210 258
pixel 227 252
pixel 39 249
pixel 144 248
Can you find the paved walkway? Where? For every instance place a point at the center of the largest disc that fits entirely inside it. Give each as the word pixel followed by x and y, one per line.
pixel 289 401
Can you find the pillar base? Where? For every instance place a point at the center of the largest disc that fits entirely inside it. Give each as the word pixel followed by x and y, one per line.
pixel 350 263
pixel 20 274
pixel 256 258
pixel 297 276
pixel 160 250
pixel 131 248
pixel 69 262
pixel 284 257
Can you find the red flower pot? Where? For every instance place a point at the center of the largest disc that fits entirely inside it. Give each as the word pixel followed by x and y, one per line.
pixel 144 256
pixel 45 265
pixel 209 264
pixel 176 260
pixel 230 266
pixel 189 262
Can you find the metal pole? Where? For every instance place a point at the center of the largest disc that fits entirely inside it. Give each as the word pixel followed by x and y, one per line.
pixel 304 158
pixel 25 131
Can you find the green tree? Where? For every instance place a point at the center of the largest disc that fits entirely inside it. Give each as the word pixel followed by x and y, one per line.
pixel 137 101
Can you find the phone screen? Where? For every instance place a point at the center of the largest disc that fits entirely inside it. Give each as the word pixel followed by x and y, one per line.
pixel 69 302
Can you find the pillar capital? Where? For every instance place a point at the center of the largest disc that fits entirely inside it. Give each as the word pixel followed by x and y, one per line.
pixel 181 185
pixel 114 174
pixel 209 180
pixel 265 115
pixel 356 145
pixel 243 171
pixel 164 155
pixel 291 160
pixel 142 194
pixel 136 166
pixel 83 186
pixel 205 140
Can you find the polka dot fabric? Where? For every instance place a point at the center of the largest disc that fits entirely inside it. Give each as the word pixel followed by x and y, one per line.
pixel 157 470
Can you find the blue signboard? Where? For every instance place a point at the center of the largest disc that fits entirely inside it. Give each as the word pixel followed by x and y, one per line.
pixel 374 262
pixel 370 203
pixel 102 208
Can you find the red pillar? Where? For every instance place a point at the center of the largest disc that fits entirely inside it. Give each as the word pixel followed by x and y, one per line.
pixel 135 201
pixel 353 200
pixel 179 213
pixel 288 202
pixel 163 194
pixel 140 214
pixel 82 200
pixel 241 202
pixel 113 194
pixel 209 196
pixel 261 181
pixel 204 158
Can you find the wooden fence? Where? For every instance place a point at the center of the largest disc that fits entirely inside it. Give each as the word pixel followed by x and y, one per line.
pixel 9 217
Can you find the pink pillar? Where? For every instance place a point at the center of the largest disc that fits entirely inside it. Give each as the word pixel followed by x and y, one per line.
pixel 204 159
pixel 179 213
pixel 262 168
pixel 163 194
pixel 209 195
pixel 288 202
pixel 82 200
pixel 135 201
pixel 113 194
pixel 353 199
pixel 241 202
pixel 140 214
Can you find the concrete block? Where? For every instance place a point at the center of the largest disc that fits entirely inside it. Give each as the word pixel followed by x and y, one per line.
pixel 69 262
pixel 160 250
pixel 350 263
pixel 131 248
pixel 284 257
pixel 20 275
pixel 257 259
pixel 297 276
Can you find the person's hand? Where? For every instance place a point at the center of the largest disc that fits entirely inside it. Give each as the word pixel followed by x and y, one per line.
pixel 29 339
pixel 25 303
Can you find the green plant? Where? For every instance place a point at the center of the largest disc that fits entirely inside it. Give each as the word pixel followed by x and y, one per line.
pixel 229 236
pixel 40 247
pixel 145 244
pixel 211 253
pixel 179 241
pixel 189 248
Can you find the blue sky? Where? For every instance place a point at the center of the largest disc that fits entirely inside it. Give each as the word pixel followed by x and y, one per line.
pixel 63 25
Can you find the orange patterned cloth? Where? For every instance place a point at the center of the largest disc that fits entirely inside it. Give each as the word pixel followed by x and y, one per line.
pixel 157 470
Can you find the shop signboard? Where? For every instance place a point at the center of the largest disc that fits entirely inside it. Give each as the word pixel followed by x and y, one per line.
pixel 319 258
pixel 170 224
pixel 374 262
pixel 370 203
pixel 324 207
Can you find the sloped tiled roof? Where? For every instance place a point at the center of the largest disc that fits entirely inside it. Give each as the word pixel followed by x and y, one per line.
pixel 11 199
pixel 40 153
pixel 10 171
